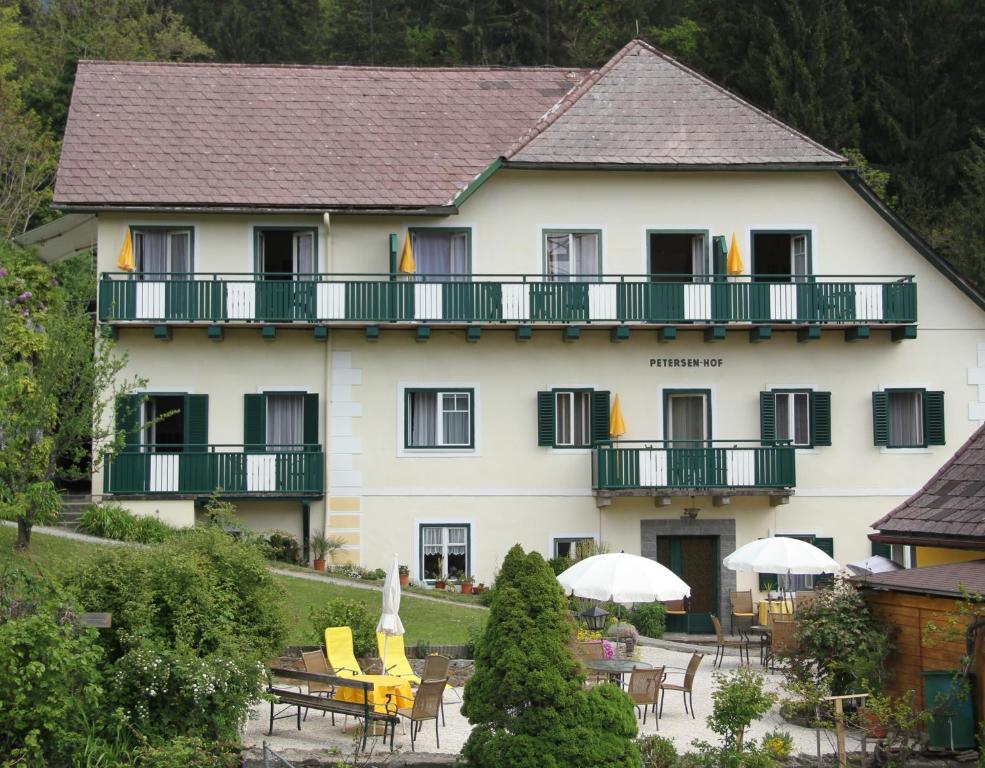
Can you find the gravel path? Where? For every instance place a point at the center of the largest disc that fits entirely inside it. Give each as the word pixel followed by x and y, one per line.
pixel 317 736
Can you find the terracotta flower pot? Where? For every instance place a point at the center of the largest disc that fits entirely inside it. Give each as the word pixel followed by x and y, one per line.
pixel 404 579
pixel 466 588
pixel 320 565
pixel 874 728
pixel 439 584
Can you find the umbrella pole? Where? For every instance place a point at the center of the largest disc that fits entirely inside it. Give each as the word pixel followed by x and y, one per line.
pixel 386 639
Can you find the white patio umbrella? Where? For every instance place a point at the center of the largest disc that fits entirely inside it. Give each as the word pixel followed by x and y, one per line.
pixel 781 555
pixel 390 623
pixel 623 578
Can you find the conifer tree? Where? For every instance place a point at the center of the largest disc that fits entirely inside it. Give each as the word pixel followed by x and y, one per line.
pixel 526 699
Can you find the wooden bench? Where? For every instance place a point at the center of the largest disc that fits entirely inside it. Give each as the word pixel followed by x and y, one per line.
pixel 292 698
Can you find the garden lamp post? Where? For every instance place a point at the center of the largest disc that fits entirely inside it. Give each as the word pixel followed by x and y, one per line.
pixel 595 617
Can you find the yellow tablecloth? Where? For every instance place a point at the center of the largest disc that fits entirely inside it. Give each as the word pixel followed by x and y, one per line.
pixel 766 607
pixel 382 686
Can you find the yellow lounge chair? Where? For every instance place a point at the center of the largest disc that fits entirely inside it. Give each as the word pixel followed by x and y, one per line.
pixel 396 657
pixel 338 649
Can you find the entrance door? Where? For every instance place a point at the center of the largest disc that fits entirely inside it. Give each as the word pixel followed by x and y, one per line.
pixel 695 560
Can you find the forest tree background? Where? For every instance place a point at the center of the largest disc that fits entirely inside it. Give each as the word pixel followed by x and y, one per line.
pixel 899 84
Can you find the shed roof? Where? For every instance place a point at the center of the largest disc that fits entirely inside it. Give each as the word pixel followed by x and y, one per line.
pixel 162 134
pixel 949 509
pixel 946 580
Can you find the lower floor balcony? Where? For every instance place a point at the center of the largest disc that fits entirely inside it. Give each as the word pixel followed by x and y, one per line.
pixel 236 470
pixel 718 468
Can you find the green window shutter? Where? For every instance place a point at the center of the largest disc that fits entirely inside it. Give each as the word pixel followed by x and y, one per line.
pixel 311 419
pixel 600 418
pixel 767 418
pixel 933 418
pixel 545 419
pixel 883 549
pixel 197 420
pixel 827 546
pixel 128 418
pixel 880 418
pixel 719 255
pixel 820 418
pixel 255 422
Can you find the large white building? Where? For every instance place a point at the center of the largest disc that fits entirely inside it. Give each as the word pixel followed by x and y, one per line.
pixel 569 232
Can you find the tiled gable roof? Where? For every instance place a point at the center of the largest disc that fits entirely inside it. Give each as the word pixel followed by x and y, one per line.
pixel 949 579
pixel 643 107
pixel 225 134
pixel 951 505
pixel 161 134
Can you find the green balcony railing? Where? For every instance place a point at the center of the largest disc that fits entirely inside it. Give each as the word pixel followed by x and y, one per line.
pixel 718 464
pixel 516 299
pixel 280 470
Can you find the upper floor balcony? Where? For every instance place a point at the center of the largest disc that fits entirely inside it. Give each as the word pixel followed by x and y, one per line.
pixel 718 468
pixel 358 300
pixel 275 471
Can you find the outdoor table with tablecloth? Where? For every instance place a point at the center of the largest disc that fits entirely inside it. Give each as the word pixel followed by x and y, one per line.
pixel 383 685
pixel 766 607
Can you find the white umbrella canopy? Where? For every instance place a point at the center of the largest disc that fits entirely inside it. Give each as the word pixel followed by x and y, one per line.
pixel 390 623
pixel 623 578
pixel 874 564
pixel 780 554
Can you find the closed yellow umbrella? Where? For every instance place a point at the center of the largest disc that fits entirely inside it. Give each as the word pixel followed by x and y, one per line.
pixel 407 257
pixel 617 426
pixel 735 266
pixel 126 262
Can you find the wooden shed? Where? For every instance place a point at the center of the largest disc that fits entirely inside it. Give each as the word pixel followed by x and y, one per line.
pixel 916 598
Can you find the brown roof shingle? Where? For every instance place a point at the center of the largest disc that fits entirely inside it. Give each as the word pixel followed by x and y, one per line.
pixel 947 579
pixel 951 506
pixel 226 134
pixel 643 107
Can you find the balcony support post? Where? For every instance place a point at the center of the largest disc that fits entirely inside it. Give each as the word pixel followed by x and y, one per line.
pixel 661 501
pixel 109 332
pixel 162 332
pixel 268 332
pixel 715 333
pixel 858 333
pixel 779 501
pixel 667 334
pixel 473 333
pixel 372 333
pixel 810 333
pixel 571 333
pixel 423 333
pixel 760 333
pixel 903 333
pixel 618 334
pixel 214 332
pixel 524 333
pixel 602 499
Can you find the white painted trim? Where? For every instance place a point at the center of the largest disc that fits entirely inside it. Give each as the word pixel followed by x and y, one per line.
pixel 286 388
pixel 469 492
pixel 902 451
pixel 568 451
pixel 413 453
pixel 148 390
pixel 541 251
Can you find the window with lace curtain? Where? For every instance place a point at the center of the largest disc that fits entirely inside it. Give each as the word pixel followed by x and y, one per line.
pixel 444 551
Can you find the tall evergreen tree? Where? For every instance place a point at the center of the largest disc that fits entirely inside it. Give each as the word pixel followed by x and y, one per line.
pixel 526 700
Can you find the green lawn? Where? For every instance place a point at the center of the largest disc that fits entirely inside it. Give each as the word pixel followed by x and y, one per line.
pixel 424 620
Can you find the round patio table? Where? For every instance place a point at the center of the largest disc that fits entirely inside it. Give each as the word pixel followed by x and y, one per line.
pixel 616 668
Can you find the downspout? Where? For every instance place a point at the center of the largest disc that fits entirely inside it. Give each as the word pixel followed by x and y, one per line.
pixel 329 343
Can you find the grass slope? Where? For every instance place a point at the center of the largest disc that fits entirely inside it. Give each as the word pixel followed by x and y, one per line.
pixel 424 620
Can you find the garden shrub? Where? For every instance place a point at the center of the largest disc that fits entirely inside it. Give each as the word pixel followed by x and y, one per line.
pixel 183 752
pixel 738 700
pixel 650 619
pixel 657 752
pixel 778 744
pixel 526 699
pixel 49 675
pixel 193 621
pixel 339 612
pixel 841 645
pixel 112 521
pixel 560 564
pixel 284 548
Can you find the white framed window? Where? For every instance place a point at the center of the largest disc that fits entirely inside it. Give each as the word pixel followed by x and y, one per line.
pixel 440 254
pixel 572 256
pixel 572 419
pixel 445 551
pixel 793 417
pixel 162 253
pixel 687 417
pixel 439 418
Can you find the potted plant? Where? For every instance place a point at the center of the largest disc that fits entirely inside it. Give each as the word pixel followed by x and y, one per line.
pixel 320 546
pixel 479 588
pixel 404 575
pixel 467 582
